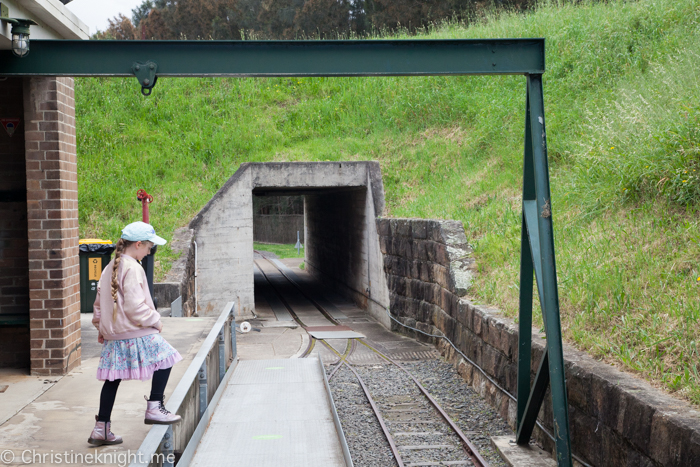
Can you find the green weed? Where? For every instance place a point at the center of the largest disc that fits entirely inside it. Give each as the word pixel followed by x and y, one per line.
pixel 281 250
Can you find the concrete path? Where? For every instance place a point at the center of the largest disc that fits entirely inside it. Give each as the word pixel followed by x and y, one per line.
pixel 273 413
pixel 52 416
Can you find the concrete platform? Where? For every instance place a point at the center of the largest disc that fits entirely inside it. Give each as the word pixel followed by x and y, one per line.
pixel 55 415
pixel 273 413
pixel 521 456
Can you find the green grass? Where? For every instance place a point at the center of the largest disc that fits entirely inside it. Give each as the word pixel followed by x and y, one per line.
pixel 281 250
pixel 623 108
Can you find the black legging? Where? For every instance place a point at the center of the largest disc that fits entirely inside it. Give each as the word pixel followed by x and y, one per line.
pixel 109 393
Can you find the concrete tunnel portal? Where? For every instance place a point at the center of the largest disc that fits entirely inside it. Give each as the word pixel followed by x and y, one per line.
pixel 341 203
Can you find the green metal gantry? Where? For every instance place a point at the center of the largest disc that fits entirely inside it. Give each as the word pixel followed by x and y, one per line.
pixel 148 60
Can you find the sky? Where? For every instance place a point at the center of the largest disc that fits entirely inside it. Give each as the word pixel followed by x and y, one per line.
pixel 95 13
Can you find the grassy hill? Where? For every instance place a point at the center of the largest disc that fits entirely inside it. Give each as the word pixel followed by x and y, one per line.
pixel 622 98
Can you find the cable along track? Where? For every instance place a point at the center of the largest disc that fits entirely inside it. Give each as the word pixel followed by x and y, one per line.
pixel 405 410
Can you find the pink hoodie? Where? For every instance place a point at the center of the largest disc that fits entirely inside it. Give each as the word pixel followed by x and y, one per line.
pixel 136 316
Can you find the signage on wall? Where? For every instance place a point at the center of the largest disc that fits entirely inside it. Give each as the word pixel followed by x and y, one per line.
pixel 10 124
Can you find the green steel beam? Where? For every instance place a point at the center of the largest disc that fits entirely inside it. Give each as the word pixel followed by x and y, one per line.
pixel 279 58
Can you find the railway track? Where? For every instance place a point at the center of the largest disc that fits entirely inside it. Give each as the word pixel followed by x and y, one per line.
pixel 417 429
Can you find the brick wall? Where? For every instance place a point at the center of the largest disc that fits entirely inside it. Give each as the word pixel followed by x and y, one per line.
pixel 14 274
pixel 616 420
pixel 52 211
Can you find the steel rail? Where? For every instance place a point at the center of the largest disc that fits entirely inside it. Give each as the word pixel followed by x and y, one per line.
pixel 350 348
pixel 312 340
pixel 284 302
pixel 466 443
pixel 380 419
pixel 309 348
pixel 304 293
pixel 468 446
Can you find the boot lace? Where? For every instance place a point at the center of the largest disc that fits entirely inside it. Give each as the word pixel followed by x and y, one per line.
pixel 162 409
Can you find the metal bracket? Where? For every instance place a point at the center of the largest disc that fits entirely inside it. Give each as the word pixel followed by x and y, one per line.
pixel 222 355
pixel 146 75
pixel 203 393
pixel 167 448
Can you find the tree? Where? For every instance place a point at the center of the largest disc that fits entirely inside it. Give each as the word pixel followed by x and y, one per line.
pixel 141 12
pixel 276 18
pixel 120 28
pixel 327 18
pixel 190 19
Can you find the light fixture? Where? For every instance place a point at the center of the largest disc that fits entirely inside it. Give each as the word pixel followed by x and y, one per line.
pixel 20 34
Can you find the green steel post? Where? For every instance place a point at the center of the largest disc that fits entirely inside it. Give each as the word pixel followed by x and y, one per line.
pixel 526 268
pixel 550 302
pixel 533 402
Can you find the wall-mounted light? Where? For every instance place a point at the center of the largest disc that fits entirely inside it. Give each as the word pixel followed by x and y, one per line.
pixel 20 34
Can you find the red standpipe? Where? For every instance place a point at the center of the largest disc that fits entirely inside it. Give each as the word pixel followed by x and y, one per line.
pixel 145 199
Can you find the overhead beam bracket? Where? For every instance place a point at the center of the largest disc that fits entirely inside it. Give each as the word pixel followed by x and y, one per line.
pixel 146 75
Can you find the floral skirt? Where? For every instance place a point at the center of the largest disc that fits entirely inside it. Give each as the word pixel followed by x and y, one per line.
pixel 136 358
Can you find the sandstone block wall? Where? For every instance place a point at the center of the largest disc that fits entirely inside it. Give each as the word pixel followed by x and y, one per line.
pixel 616 419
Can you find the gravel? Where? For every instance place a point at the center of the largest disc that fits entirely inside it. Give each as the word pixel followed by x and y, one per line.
pixel 366 441
pixel 413 422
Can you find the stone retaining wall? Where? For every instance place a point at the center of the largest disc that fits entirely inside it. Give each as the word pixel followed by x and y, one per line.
pixel 616 419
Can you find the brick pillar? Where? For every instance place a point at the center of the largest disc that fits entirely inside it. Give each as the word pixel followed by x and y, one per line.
pixel 52 212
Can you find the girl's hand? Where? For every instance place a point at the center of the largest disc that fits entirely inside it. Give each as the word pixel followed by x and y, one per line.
pixel 101 339
pixel 159 326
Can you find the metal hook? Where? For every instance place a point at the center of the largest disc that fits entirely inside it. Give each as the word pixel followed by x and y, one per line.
pixel 146 75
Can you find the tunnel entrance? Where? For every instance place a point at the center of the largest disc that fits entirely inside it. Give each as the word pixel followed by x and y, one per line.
pixel 341 201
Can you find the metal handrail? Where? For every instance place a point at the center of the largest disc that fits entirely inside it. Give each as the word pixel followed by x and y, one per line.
pixel 157 447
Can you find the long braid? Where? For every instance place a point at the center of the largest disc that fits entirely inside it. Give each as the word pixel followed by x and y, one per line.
pixel 121 246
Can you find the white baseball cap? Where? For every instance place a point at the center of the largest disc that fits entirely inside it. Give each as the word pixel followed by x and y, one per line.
pixel 140 231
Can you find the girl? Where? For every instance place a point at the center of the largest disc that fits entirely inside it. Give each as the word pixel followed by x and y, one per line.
pixel 129 328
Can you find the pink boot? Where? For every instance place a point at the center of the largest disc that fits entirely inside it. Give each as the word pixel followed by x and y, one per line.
pixel 102 434
pixel 157 414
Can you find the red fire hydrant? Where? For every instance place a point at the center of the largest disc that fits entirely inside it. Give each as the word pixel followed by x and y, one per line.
pixel 145 199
